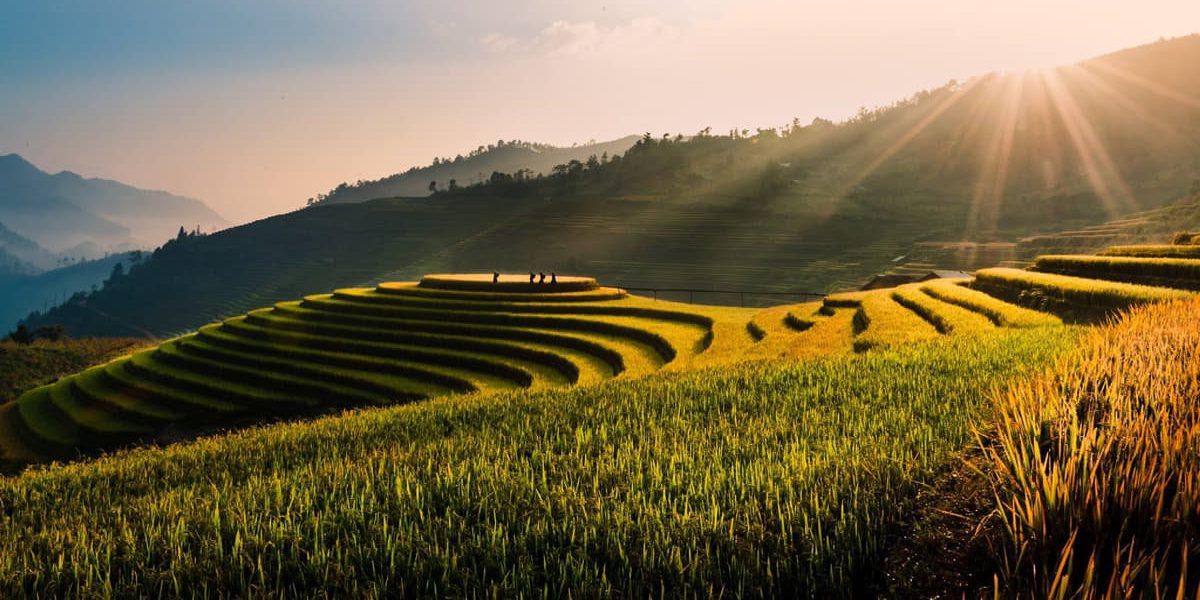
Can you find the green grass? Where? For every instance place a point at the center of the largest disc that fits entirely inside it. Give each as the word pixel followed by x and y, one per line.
pixel 364 342
pixel 1073 298
pixel 1154 251
pixel 24 367
pixel 997 311
pixel 1183 273
pixel 777 478
pixel 446 379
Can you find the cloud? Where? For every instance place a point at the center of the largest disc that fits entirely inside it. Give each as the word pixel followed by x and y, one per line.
pixel 496 42
pixel 589 38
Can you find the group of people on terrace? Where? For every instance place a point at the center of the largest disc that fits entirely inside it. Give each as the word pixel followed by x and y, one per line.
pixel 533 278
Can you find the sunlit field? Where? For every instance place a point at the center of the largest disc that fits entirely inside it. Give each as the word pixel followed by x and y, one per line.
pixel 774 478
pixel 809 319
pixel 600 443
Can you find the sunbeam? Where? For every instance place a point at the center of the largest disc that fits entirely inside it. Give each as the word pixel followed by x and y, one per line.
pixel 1146 84
pixel 988 193
pixel 907 137
pixel 1102 174
pixel 1098 86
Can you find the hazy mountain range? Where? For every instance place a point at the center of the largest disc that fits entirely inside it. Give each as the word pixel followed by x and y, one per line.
pixel 814 207
pixel 76 216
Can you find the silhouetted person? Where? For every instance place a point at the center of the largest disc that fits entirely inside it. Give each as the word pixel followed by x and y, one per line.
pixel 541 278
pixel 531 277
pixel 495 277
pixel 553 278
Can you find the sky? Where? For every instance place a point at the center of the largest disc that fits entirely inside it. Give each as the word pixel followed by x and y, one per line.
pixel 253 107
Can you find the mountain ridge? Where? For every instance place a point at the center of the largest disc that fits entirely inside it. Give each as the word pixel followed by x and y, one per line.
pixel 64 209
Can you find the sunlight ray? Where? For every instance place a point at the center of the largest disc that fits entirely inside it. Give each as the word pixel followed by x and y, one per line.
pixel 989 188
pixel 1099 168
pixel 1099 86
pixel 1147 84
pixel 907 137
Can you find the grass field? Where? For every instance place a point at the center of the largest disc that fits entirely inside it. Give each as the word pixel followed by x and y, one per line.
pixel 24 366
pixel 768 478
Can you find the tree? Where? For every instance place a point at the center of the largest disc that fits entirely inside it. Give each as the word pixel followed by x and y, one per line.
pixel 118 271
pixel 21 335
pixel 182 233
pixel 453 184
pixel 50 332
pixel 433 186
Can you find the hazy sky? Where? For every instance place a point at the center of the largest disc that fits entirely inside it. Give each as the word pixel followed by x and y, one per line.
pixel 256 105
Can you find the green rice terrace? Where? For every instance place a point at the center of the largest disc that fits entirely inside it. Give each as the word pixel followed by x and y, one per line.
pixel 503 435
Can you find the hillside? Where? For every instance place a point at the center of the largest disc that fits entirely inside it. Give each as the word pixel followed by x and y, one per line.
pixel 580 422
pixel 22 255
pixel 812 208
pixel 476 167
pixel 35 290
pixel 63 210
pixel 450 334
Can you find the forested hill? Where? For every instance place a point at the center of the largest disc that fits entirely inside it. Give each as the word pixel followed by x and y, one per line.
pixel 476 167
pixel 808 208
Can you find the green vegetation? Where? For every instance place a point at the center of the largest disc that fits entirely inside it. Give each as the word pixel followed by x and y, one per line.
pixel 1095 464
pixel 24 366
pixel 1073 298
pixel 725 473
pixel 776 478
pixel 361 347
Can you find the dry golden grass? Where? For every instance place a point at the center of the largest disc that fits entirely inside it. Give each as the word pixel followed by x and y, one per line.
pixel 1096 464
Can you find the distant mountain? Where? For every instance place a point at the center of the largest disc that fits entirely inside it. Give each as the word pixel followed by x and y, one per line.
pixel 28 292
pixel 64 210
pixel 816 207
pixel 22 255
pixel 476 167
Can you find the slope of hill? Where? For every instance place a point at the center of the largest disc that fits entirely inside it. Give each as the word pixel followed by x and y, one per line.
pixel 23 255
pixel 813 208
pixel 776 478
pixel 476 167
pixel 38 291
pixel 452 334
pixel 64 210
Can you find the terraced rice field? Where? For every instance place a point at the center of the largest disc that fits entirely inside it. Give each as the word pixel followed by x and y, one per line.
pixel 1154 251
pixel 1182 273
pixel 1073 298
pixel 403 342
pixel 398 342
pixel 925 311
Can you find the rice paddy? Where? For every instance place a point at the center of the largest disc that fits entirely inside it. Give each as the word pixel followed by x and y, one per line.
pixel 1095 464
pixel 1182 273
pixel 770 478
pixel 515 439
